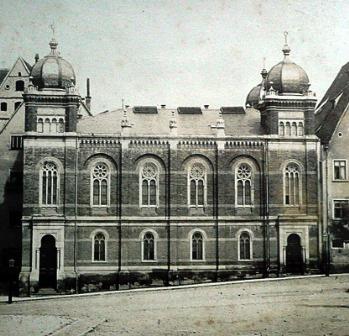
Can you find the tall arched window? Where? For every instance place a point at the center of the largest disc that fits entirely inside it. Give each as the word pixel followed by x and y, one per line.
pixel 149 184
pixel 99 247
pixel 49 183
pixel 288 129
pixel 100 180
pixel 148 246
pixel 243 184
pixel 197 246
pixel 245 246
pixel 197 185
pixel 40 125
pixel 300 129
pixel 294 128
pixel 292 184
pixel 19 85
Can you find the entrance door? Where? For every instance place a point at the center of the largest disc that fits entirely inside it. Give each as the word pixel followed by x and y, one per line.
pixel 48 262
pixel 294 257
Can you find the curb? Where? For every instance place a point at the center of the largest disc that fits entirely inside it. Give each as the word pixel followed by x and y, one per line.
pixel 156 289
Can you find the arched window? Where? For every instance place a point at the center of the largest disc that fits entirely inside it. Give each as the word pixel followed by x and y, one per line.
pixel 148 246
pixel 197 185
pixel 61 126
pixel 245 246
pixel 100 181
pixel 149 184
pixel 3 107
pixel 40 126
pixel 288 129
pixel 99 247
pixel 49 183
pixel 19 85
pixel 54 128
pixel 294 129
pixel 47 125
pixel 197 246
pixel 292 184
pixel 281 129
pixel 300 129
pixel 243 184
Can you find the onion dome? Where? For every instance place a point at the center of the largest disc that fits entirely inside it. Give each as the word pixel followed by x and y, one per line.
pixel 287 77
pixel 53 71
pixel 254 96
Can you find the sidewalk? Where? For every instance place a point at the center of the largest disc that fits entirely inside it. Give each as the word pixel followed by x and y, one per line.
pixel 4 299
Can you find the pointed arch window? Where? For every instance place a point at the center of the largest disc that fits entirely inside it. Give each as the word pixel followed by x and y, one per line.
pixel 100 181
pixel 197 185
pixel 243 185
pixel 292 184
pixel 149 185
pixel 197 246
pixel 49 183
pixel 148 246
pixel 99 250
pixel 245 246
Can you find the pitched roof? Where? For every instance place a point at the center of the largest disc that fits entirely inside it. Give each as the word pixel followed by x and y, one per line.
pixel 151 124
pixel 332 105
pixel 3 73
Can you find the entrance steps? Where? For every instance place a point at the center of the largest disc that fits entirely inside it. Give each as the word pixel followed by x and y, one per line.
pixel 45 292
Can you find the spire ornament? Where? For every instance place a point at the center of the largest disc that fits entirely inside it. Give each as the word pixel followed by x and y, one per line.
pixel 286 49
pixel 53 43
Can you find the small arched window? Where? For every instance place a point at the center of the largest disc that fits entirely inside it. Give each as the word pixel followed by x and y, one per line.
pixel 281 129
pixel 19 85
pixel 300 129
pixel 149 184
pixel 3 107
pixel 294 129
pixel 245 246
pixel 197 246
pixel 197 185
pixel 40 125
pixel 243 184
pixel 292 184
pixel 47 125
pixel 54 124
pixel 49 183
pixel 100 182
pixel 99 247
pixel 148 246
pixel 61 126
pixel 288 129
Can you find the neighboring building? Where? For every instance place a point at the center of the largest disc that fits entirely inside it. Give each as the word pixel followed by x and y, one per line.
pixel 12 85
pixel 332 124
pixel 146 195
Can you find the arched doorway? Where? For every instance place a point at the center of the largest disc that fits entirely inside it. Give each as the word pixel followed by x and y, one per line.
pixel 48 262
pixel 294 256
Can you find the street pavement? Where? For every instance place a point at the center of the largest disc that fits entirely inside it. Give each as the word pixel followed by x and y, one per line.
pixel 316 306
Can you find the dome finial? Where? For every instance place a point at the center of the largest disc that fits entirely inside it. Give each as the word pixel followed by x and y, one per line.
pixel 286 49
pixel 264 71
pixel 53 43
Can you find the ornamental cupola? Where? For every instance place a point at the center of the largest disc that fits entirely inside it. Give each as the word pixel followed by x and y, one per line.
pixel 256 93
pixel 53 71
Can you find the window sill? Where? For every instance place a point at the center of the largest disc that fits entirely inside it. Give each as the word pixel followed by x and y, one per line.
pixel 340 180
pixel 149 261
pixel 99 261
pixel 245 259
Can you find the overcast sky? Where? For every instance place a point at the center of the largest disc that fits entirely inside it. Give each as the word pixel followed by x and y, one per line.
pixel 179 53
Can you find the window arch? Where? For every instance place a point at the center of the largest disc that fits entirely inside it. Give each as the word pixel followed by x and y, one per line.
pixel 148 249
pixel 197 246
pixel 19 85
pixel 3 107
pixel 197 185
pixel 281 129
pixel 243 184
pixel 99 247
pixel 292 184
pixel 300 129
pixel 100 184
pixel 49 183
pixel 245 246
pixel 149 184
pixel 288 129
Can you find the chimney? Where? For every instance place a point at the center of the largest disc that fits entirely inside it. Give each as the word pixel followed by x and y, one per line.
pixel 36 58
pixel 163 106
pixel 206 106
pixel 88 96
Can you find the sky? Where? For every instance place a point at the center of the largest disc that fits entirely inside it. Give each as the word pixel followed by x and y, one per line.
pixel 178 53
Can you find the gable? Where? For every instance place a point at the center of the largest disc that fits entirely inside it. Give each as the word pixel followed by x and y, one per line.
pixel 18 70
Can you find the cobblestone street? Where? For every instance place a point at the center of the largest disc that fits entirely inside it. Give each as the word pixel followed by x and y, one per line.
pixel 312 306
